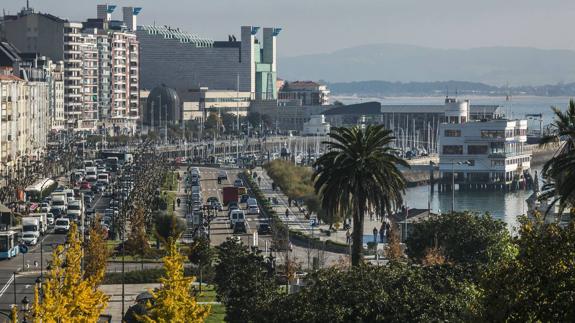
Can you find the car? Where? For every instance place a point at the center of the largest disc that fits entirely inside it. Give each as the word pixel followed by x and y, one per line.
pixel 101 186
pixel 62 226
pixel 222 175
pixel 238 183
pixel 217 205
pixel 233 205
pixel 30 239
pixel 50 219
pixel 264 229
pixel 57 212
pixel 244 198
pixel 253 209
pixel 240 227
pixel 236 216
pixel 85 186
pixel 212 199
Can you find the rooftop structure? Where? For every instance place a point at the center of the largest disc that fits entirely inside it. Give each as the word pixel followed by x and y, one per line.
pixel 307 92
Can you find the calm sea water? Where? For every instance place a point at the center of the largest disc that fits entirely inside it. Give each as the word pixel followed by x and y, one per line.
pixel 505 206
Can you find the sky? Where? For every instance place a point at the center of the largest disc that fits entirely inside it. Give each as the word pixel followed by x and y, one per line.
pixel 319 26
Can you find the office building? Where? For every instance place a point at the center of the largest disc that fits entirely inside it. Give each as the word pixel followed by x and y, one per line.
pixel 184 61
pixel 484 154
pixel 197 103
pixel 306 92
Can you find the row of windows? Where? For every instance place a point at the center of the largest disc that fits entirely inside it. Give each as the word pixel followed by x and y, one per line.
pixel 452 133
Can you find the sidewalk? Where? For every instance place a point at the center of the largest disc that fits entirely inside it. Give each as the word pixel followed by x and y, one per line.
pixel 297 221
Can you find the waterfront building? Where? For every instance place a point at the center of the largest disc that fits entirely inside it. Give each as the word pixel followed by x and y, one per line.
pixel 307 92
pixel 316 126
pixel 484 154
pixel 415 126
pixel 184 61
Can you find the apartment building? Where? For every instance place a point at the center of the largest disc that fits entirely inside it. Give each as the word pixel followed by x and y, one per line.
pixel 24 120
pixel 100 63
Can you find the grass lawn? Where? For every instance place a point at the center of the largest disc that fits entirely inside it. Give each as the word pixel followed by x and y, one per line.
pixel 217 314
pixel 170 182
pixel 208 293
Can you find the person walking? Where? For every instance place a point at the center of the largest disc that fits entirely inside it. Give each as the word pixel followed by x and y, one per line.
pixel 287 213
pixel 348 236
pixel 375 234
pixel 382 232
pixel 178 201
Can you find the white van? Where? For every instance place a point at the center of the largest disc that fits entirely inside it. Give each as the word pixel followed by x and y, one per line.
pixel 62 225
pixel 104 178
pixel 91 174
pixel 236 216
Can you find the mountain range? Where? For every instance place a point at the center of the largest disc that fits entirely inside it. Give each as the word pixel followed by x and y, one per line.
pixel 496 66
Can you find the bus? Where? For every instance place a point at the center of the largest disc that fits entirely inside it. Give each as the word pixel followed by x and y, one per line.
pixel 9 246
pixel 39 190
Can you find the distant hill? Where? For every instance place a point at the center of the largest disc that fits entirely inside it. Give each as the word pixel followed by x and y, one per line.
pixel 384 88
pixel 405 63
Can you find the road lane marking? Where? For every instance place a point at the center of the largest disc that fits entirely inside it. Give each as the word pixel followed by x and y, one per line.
pixel 8 283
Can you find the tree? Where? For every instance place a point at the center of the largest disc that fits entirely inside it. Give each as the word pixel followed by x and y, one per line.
pixel 394 293
pixel 67 295
pixel 173 302
pixel 463 238
pixel 229 121
pixel 201 254
pixel 137 243
pixel 243 283
pixel 561 168
pixel 359 173
pixel 538 285
pixel 96 252
pixel 168 226
pixel 213 123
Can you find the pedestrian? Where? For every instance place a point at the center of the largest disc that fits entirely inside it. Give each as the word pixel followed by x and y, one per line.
pixel 375 234
pixel 259 181
pixel 370 216
pixel 382 232
pixel 178 201
pixel 287 213
pixel 348 237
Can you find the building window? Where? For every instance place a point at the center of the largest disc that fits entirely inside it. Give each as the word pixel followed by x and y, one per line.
pixel 498 134
pixel 452 133
pixel 498 162
pixel 452 150
pixel 477 149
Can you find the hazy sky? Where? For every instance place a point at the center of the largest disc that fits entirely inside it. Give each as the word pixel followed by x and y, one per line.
pixel 316 26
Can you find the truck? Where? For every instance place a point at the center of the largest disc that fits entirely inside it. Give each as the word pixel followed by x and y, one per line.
pixel 31 225
pixel 59 202
pixel 230 194
pixel 42 221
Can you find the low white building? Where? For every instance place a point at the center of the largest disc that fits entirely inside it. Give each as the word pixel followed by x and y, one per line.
pixel 484 155
pixel 316 126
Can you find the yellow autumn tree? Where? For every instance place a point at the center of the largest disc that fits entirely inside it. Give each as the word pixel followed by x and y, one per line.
pixel 66 295
pixel 173 302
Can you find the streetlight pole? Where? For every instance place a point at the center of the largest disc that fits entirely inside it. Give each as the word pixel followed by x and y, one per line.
pixel 452 187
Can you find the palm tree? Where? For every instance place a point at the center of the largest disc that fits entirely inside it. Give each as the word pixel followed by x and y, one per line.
pixel 560 169
pixel 359 173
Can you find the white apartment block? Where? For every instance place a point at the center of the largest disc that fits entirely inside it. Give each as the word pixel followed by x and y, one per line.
pixel 484 155
pixel 24 120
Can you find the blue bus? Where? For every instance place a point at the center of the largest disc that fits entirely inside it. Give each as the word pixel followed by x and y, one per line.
pixel 9 246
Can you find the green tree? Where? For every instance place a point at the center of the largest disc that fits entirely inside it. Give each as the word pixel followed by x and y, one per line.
pixel 394 293
pixel 243 283
pixel 213 123
pixel 561 168
pixel 229 121
pixel 137 242
pixel 463 238
pixel 168 226
pixel 539 284
pixel 359 173
pixel 201 254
